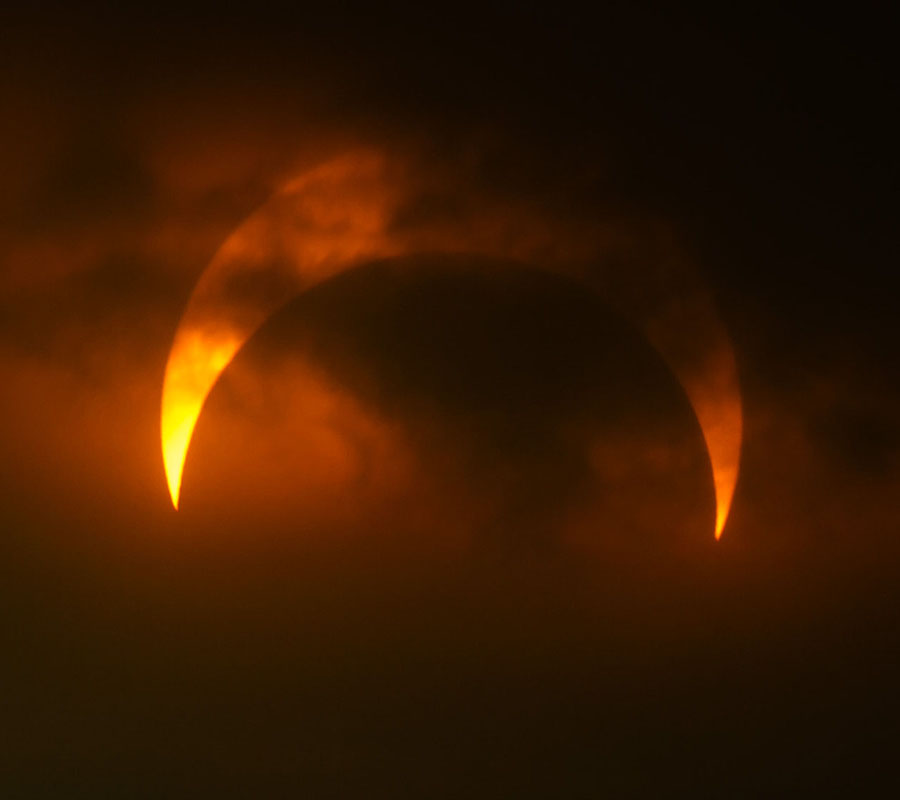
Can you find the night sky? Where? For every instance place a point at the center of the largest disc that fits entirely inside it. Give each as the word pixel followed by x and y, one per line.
pixel 446 526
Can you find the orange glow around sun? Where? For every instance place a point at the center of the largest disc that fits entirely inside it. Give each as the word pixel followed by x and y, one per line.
pixel 345 213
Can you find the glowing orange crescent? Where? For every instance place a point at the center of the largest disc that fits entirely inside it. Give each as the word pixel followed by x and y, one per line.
pixel 345 212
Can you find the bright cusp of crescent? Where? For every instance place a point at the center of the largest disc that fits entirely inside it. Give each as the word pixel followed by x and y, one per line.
pixel 364 206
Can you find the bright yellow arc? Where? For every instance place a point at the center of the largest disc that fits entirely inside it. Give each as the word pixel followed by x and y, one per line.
pixel 197 363
pixel 343 213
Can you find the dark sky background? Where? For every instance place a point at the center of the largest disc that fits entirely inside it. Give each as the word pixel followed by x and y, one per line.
pixel 506 584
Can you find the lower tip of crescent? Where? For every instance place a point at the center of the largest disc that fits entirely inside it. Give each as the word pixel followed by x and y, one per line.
pixel 173 496
pixel 174 482
pixel 720 527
